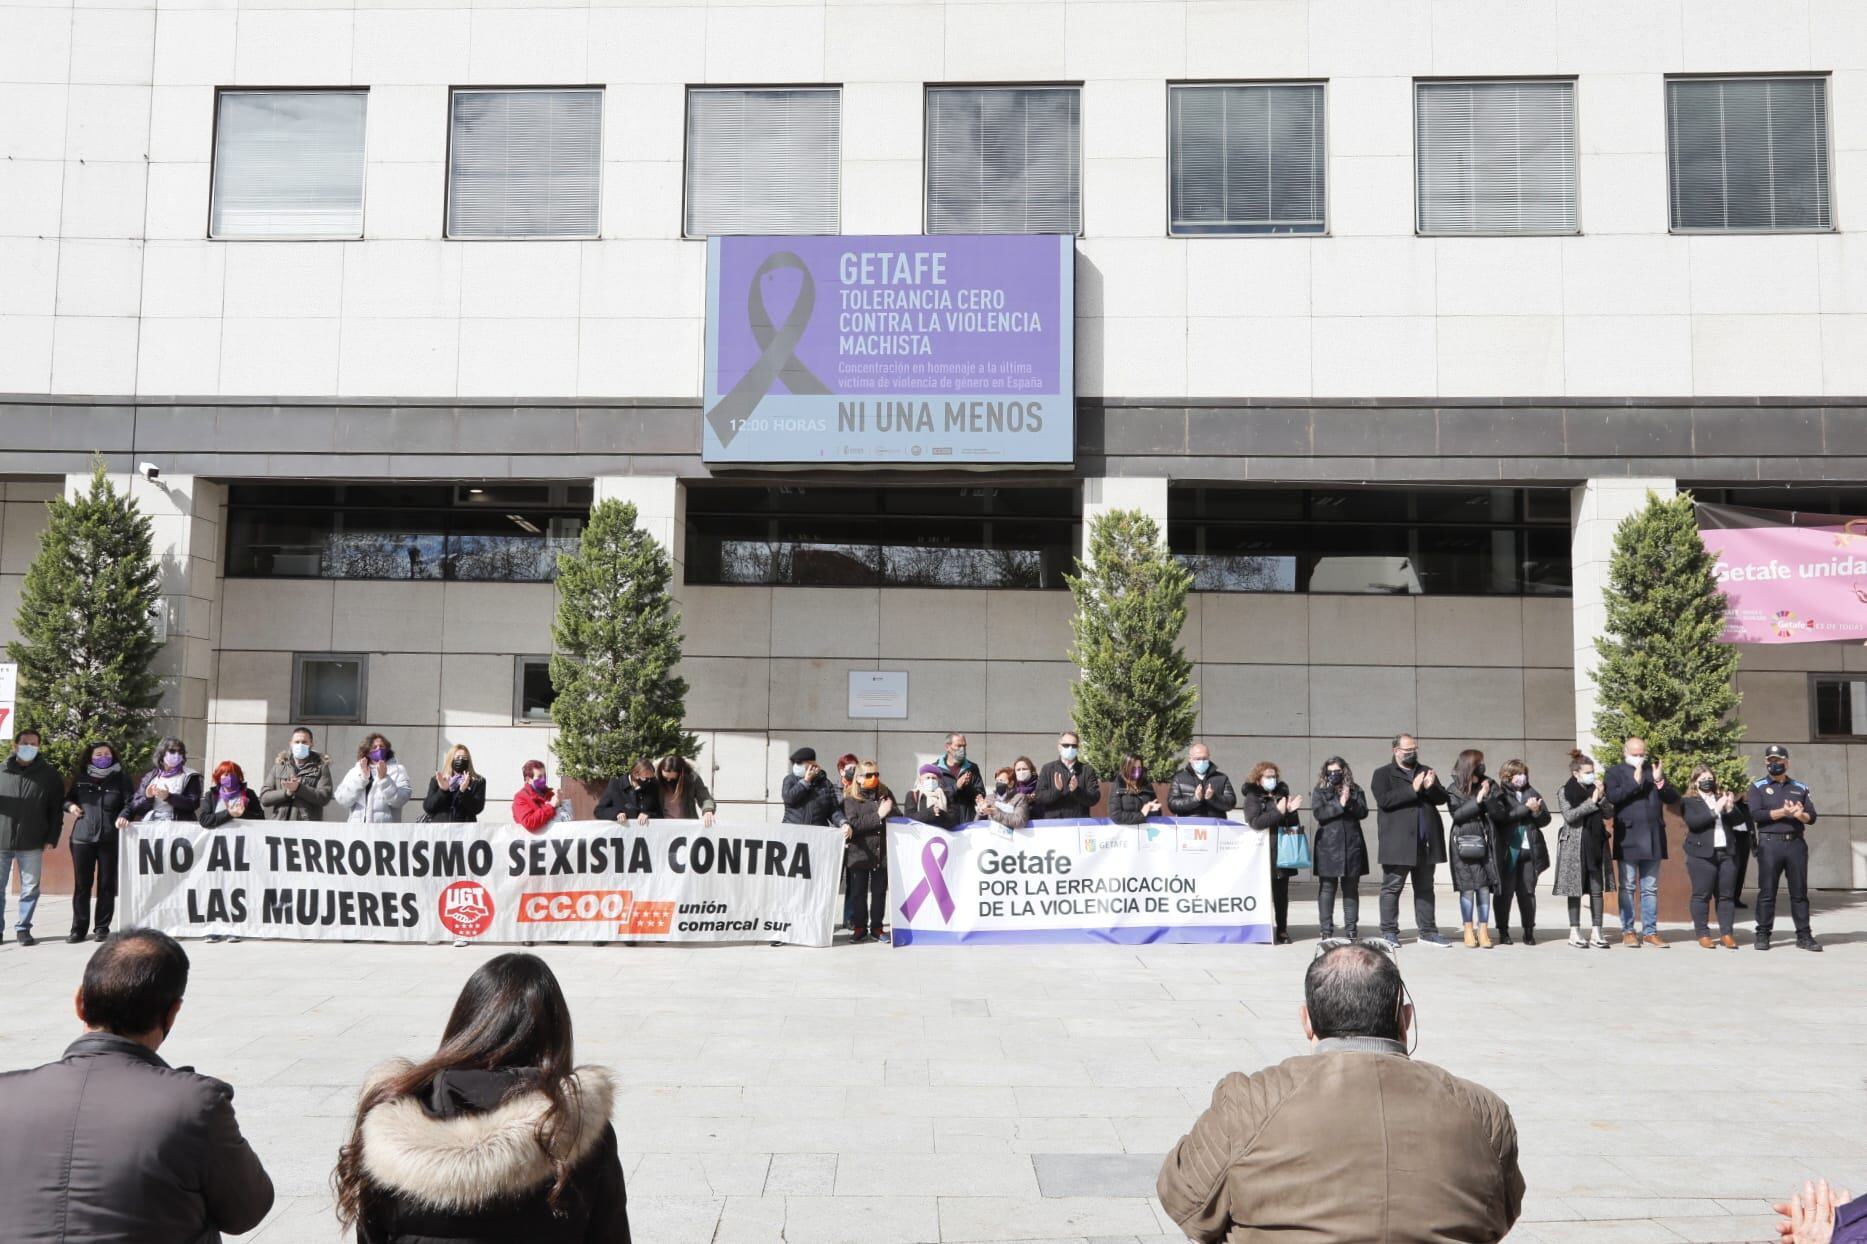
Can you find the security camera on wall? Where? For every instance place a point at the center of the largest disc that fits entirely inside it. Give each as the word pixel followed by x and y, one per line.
pixel 149 471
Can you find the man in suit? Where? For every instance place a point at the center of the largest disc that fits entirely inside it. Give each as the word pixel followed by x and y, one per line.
pixel 1637 792
pixel 1413 838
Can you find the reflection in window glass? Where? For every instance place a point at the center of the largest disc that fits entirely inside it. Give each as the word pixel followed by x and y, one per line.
pixel 330 688
pixel 535 692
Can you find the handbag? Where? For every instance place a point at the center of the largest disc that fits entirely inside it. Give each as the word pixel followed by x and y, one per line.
pixel 1471 848
pixel 1293 849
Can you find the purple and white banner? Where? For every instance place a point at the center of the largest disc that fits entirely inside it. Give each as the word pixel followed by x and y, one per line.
pixel 1190 879
pixel 935 351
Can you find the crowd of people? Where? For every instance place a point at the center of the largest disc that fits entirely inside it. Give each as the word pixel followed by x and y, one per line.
pixel 499 1135
pixel 1488 827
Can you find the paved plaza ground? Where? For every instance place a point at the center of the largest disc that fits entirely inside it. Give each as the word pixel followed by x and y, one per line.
pixel 882 1096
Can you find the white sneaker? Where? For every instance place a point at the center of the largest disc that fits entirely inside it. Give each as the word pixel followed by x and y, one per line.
pixel 1576 939
pixel 1598 942
pixel 461 941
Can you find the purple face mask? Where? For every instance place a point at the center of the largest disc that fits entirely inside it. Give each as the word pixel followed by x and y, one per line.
pixel 377 755
pixel 230 784
pixel 540 785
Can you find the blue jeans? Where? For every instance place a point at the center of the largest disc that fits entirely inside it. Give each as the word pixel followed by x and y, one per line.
pixel 28 884
pixel 1647 873
pixel 1483 896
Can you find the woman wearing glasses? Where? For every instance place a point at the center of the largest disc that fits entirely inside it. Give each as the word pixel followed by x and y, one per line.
pixel 866 807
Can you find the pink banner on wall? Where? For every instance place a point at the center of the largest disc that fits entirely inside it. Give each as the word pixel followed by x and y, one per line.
pixel 1788 576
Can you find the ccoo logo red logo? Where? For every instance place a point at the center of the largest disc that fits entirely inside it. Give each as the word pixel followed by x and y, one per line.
pixel 466 909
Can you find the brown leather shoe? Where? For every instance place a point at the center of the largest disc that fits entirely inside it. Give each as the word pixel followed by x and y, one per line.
pixel 1630 939
pixel 1707 943
pixel 1728 942
pixel 1653 939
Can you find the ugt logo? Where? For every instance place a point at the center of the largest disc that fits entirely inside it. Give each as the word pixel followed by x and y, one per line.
pixel 466 909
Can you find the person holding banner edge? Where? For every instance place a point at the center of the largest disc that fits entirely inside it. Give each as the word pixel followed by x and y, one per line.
pixel 631 798
pixel 1271 807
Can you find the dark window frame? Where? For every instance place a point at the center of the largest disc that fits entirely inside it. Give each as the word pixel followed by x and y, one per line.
pixel 1816 733
pixel 299 708
pixel 520 662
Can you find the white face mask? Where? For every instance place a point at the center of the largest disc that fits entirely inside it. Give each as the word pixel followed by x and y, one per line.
pixel 301 751
pixel 1268 781
pixel 797 771
pixel 27 753
pixel 1520 781
pixel 1068 752
pixel 1586 777
pixel 929 786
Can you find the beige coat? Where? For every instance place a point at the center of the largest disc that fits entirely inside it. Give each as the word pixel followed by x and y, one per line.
pixel 1353 1142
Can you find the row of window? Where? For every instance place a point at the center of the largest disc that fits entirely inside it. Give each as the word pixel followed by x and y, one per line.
pixel 333 688
pixel 1744 154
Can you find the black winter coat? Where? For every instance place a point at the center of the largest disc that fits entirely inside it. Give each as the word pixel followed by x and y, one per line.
pixel 460 1161
pixel 454 807
pixel 1638 809
pixel 1401 809
pixel 622 798
pixel 868 841
pixel 1261 812
pixel 1701 824
pixel 811 803
pixel 1124 804
pixel 1052 804
pixel 213 814
pixel 1341 849
pixel 1507 811
pixel 1471 824
pixel 99 801
pixel 1183 793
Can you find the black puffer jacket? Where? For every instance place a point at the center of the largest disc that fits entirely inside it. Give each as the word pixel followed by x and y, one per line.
pixel 811 803
pixel 627 800
pixel 1341 849
pixel 1183 797
pixel 461 1162
pixel 1125 804
pixel 99 801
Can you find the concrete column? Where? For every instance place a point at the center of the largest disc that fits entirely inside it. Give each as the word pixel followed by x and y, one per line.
pixel 186 514
pixel 660 510
pixel 1120 492
pixel 1596 509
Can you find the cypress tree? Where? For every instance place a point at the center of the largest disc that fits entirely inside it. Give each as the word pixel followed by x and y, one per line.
pixel 617 639
pixel 1136 692
pixel 1665 674
pixel 87 628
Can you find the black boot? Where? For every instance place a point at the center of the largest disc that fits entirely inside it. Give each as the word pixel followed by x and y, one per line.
pixel 1763 941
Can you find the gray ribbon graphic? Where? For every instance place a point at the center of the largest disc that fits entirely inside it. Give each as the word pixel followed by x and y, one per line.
pixel 777 359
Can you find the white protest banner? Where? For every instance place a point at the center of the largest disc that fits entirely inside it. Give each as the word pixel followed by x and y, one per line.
pixel 1166 880
pixel 9 683
pixel 589 881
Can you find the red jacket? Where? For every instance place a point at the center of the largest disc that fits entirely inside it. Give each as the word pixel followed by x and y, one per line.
pixel 532 809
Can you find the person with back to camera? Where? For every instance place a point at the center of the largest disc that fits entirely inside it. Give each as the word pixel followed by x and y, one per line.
pixel 1341 855
pixel 99 796
pixel 1518 814
pixel 497 1136
pixel 1131 793
pixel 1295 1151
pixel 298 785
pixel 1271 807
pixel 633 798
pixel 1473 848
pixel 377 786
pixel 456 792
pixel 1582 862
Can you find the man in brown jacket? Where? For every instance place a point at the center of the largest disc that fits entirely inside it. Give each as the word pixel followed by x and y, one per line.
pixel 111 1145
pixel 1353 1141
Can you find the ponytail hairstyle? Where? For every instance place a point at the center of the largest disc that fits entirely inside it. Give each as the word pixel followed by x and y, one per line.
pixel 1579 760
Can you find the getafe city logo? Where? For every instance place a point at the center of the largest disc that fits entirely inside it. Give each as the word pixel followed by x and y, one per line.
pixel 466 909
pixel 1783 623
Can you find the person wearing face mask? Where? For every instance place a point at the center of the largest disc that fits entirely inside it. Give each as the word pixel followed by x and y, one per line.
pixel 171 791
pixel 1711 851
pixel 1066 787
pixel 1131 795
pixel 226 798
pixel 1582 848
pixel 298 786
pixel 866 809
pixel 1474 861
pixel 456 794
pixel 1518 814
pixel 99 795
pixel 1412 836
pixel 810 798
pixel 1270 806
pixel 1199 788
pixel 1010 802
pixel 1637 793
pixel 1782 808
pixel 1339 807
pixel 929 802
pixel 377 787
pixel 960 777
pixel 536 805
pixel 630 799
pixel 32 798
pixel 680 793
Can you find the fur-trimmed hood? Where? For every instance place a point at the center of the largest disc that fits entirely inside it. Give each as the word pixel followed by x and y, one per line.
pixel 477 1158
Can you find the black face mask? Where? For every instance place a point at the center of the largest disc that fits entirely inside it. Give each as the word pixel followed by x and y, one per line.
pixel 460 764
pixel 1777 768
pixel 1407 758
pixel 1707 785
pixel 1336 776
pixel 1001 788
pixel 1478 771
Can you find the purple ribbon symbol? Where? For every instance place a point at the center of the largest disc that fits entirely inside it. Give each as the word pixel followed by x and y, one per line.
pixel 933 882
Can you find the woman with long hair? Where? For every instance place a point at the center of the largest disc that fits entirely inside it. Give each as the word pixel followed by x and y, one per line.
pixel 170 791
pixel 456 791
pixel 681 794
pixel 496 1136
pixel 1341 854
pixel 377 786
pixel 1269 806
pixel 1473 850
pixel 1131 794
pixel 1518 814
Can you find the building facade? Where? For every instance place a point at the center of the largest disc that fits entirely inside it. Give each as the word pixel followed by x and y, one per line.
pixel 1388 310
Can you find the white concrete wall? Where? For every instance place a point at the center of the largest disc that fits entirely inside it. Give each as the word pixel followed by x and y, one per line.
pixel 108 286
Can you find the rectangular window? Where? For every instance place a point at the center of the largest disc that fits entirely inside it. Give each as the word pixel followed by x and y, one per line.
pixel 328 686
pixel 1004 159
pixel 1246 158
pixel 524 164
pixel 763 161
pixel 1748 155
pixel 532 692
pixel 288 164
pixel 1840 706
pixel 1495 157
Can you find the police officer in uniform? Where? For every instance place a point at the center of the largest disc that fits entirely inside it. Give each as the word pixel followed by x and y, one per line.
pixel 1782 810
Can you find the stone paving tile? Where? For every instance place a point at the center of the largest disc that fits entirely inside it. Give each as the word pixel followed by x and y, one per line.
pixel 938 1174
pixel 977 1219
pixel 801 1174
pixel 1096 1174
pixel 858 1220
